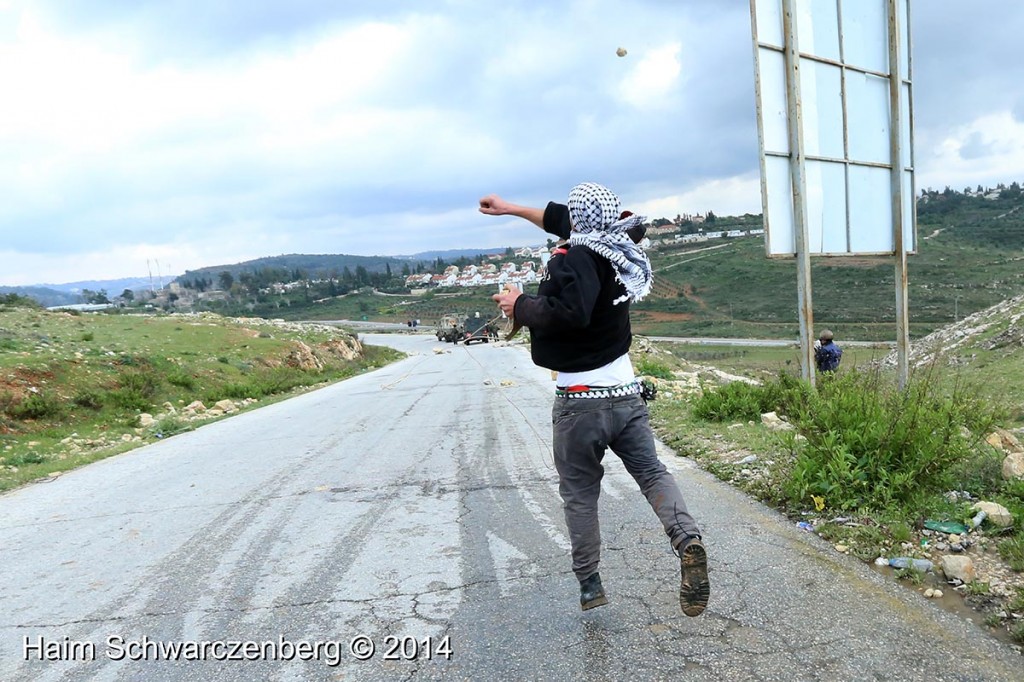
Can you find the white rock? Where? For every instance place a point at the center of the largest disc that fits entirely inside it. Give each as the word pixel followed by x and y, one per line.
pixel 146 420
pixel 1013 466
pixel 957 567
pixel 881 561
pixel 227 406
pixel 929 593
pixel 774 422
pixel 196 406
pixel 997 513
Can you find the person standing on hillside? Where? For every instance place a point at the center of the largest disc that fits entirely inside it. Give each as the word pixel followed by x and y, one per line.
pixel 826 353
pixel 579 327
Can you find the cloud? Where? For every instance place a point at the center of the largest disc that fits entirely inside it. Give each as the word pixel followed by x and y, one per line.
pixel 224 131
pixel 653 78
pixel 987 150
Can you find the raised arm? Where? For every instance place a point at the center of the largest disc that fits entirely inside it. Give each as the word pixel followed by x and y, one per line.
pixel 492 204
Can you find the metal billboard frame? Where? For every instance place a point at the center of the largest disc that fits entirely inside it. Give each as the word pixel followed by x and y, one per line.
pixel 826 190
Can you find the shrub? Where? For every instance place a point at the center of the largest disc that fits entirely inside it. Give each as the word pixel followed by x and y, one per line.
pixel 24 458
pixel 181 378
pixel 169 426
pixel 135 389
pixel 263 383
pixel 88 336
pixel 740 400
pixel 88 397
pixel 870 444
pixel 737 400
pixel 37 406
pixel 653 368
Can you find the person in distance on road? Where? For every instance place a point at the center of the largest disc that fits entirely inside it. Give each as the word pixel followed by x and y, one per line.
pixel 579 328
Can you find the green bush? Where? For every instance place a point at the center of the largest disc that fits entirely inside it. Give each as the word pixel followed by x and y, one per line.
pixel 135 389
pixel 42 405
pixel 181 378
pixel 88 397
pixel 740 400
pixel 24 458
pixel 263 383
pixel 870 444
pixel 653 368
pixel 737 400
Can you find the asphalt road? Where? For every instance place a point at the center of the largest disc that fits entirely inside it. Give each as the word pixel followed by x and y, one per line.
pixel 416 506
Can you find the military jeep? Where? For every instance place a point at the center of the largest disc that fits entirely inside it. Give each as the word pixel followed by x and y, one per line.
pixel 450 329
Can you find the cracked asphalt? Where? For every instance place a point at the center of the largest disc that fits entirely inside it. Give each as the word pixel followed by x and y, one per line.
pixel 419 503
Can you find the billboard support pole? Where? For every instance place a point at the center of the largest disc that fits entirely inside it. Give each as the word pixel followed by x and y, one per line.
pixel 796 166
pixel 896 158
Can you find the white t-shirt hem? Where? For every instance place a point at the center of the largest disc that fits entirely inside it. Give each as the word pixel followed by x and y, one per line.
pixel 618 371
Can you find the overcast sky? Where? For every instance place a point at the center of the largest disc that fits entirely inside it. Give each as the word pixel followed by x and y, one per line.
pixel 199 133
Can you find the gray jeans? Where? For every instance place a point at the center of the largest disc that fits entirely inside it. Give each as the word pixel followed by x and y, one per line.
pixel 583 428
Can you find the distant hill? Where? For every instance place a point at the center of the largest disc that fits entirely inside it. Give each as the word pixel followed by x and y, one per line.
pixel 44 296
pixel 313 265
pixel 325 264
pixel 113 287
pixel 452 254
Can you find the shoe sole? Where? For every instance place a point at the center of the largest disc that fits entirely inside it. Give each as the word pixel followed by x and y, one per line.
pixel 694 586
pixel 594 603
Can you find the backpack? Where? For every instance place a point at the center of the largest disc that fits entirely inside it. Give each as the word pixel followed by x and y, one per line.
pixel 827 357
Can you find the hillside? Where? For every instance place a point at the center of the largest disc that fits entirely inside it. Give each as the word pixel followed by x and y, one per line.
pixel 968 259
pixel 970 249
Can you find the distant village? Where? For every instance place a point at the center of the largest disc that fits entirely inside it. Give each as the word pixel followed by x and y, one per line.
pixel 492 274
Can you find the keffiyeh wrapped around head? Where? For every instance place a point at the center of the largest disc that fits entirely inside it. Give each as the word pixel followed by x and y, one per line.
pixel 594 212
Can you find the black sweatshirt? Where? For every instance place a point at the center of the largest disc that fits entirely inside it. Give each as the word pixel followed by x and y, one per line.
pixel 574 327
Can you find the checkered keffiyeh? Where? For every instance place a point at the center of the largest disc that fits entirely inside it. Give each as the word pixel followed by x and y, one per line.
pixel 594 212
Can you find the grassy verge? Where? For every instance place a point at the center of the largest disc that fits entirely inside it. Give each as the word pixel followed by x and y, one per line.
pixel 78 388
pixel 859 461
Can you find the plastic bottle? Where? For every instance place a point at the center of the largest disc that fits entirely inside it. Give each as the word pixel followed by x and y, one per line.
pixel 922 565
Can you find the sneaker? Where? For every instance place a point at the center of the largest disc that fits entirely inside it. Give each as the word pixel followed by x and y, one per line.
pixel 694 587
pixel 592 593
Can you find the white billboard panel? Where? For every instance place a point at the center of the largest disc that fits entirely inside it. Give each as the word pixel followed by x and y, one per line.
pixel 845 95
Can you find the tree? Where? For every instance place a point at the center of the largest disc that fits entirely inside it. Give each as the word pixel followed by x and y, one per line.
pixel 128 295
pixel 226 279
pixel 95 297
pixel 710 219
